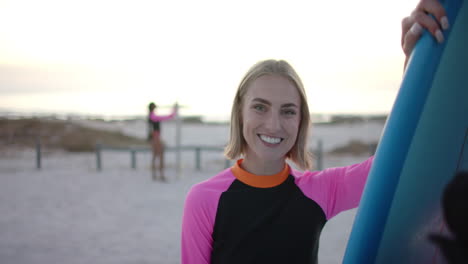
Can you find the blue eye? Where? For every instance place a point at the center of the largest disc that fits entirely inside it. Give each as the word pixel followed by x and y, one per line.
pixel 259 107
pixel 289 112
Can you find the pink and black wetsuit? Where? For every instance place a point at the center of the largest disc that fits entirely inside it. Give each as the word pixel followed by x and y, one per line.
pixel 155 120
pixel 238 217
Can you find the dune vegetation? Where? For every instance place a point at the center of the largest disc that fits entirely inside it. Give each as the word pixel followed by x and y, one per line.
pixel 59 134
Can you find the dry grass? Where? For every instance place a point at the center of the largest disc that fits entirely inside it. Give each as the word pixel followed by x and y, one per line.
pixel 355 147
pixel 59 134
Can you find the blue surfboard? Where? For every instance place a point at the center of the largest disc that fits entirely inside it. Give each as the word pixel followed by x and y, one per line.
pixel 424 143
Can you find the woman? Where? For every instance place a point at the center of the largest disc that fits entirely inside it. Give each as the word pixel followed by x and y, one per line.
pixel 157 145
pixel 261 210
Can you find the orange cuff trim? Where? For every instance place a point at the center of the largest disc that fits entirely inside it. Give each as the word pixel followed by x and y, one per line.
pixel 259 181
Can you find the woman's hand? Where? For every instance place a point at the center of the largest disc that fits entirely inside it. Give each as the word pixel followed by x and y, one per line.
pixel 413 25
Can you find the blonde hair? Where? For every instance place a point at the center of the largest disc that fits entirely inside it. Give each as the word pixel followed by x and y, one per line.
pixel 236 145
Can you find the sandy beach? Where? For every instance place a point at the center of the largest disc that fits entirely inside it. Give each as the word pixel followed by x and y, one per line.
pixel 68 212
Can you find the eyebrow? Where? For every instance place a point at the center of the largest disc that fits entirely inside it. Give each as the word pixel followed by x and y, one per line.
pixel 263 101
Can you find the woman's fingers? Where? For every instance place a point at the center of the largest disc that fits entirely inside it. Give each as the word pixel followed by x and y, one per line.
pixel 411 33
pixel 435 8
pixel 429 15
pixel 410 39
pixel 432 25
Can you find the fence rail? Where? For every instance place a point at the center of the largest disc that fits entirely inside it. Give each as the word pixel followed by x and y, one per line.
pixel 134 150
pixel 196 149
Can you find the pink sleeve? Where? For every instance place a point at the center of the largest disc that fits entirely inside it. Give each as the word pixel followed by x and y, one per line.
pixel 336 189
pixel 157 118
pixel 199 216
pixel 197 228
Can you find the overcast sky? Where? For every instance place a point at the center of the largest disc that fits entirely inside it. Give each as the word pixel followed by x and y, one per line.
pixel 113 57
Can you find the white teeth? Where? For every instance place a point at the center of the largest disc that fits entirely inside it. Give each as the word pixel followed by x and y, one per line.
pixel 270 140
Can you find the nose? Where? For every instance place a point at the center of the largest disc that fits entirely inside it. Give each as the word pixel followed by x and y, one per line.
pixel 272 122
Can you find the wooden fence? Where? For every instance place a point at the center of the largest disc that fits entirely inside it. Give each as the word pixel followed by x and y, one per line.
pixel 318 153
pixel 134 150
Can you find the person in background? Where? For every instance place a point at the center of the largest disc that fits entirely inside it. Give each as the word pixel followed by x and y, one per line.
pixel 157 145
pixel 455 210
pixel 261 210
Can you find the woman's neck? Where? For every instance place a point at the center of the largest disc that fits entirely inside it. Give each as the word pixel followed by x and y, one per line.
pixel 262 167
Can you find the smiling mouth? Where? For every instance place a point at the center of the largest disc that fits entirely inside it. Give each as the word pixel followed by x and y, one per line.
pixel 270 140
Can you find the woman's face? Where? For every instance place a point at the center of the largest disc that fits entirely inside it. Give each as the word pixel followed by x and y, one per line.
pixel 271 115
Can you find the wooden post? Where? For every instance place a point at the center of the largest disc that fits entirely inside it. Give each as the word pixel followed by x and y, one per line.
pixel 98 156
pixel 38 153
pixel 133 158
pixel 319 154
pixel 198 158
pixel 178 141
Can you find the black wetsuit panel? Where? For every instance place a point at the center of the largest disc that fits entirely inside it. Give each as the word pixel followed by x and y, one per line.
pixel 266 225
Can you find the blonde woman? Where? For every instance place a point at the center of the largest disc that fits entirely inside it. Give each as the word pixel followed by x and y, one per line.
pixel 261 210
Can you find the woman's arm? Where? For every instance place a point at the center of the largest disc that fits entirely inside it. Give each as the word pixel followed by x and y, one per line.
pixel 197 227
pixel 157 118
pixel 336 189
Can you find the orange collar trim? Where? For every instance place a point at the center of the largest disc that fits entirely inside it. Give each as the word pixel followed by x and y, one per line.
pixel 259 181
